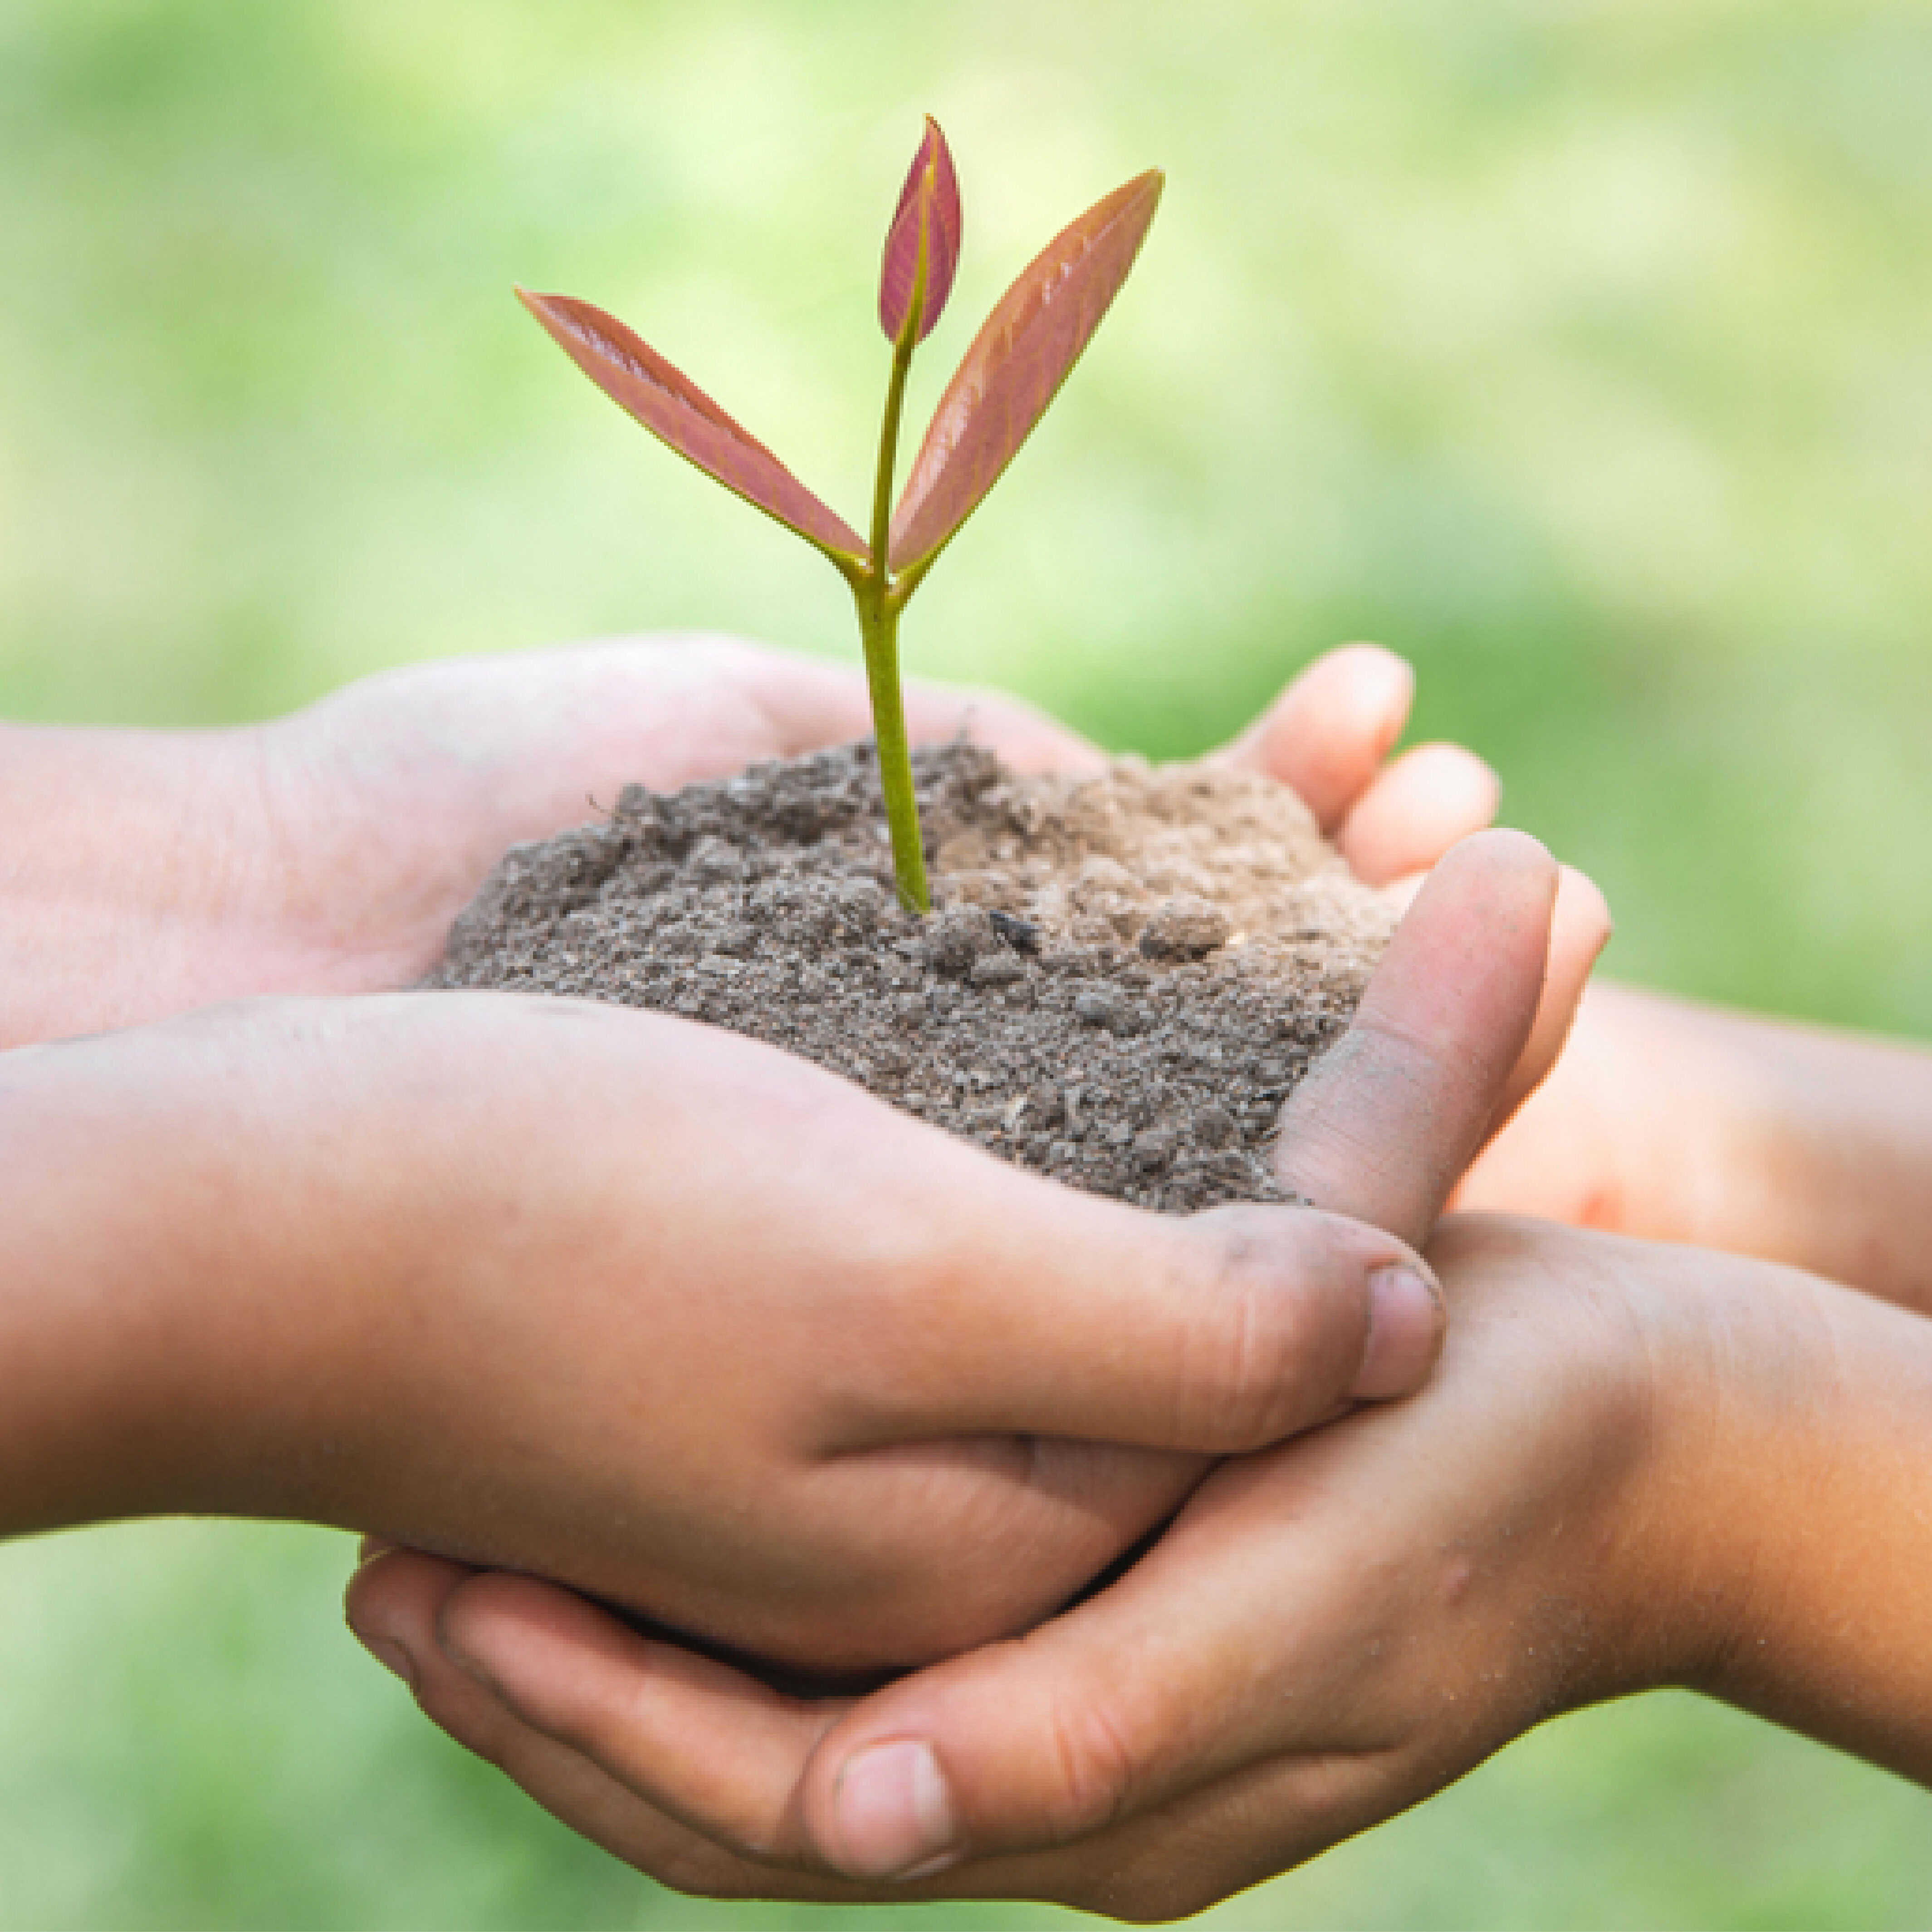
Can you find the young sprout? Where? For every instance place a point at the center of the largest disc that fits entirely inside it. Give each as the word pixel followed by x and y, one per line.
pixel 1002 388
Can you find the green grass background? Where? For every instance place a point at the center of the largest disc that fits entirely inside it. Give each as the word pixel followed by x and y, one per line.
pixel 1582 352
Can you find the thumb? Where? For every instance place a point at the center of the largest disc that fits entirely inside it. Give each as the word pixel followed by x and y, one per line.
pixel 1386 1122
pixel 1216 1333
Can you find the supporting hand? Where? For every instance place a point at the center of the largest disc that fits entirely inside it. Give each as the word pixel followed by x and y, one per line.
pixel 328 852
pixel 1608 1486
pixel 147 872
pixel 1683 1123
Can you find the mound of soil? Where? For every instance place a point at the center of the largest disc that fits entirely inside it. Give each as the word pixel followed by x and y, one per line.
pixel 1122 978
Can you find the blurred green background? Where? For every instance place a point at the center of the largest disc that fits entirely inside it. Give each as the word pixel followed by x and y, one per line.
pixel 1581 351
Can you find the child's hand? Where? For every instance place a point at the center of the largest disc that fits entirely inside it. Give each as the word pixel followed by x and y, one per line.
pixel 638 1304
pixel 146 872
pixel 1636 1466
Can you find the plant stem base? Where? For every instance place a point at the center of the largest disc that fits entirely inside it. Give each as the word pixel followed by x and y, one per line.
pixel 1123 980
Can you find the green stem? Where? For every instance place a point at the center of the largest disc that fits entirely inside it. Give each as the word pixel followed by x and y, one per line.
pixel 889 448
pixel 879 609
pixel 879 627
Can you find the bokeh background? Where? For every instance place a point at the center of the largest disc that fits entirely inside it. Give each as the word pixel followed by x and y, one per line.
pixel 1581 351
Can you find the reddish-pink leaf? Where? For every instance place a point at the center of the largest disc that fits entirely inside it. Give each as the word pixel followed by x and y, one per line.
pixel 1015 367
pixel 929 207
pixel 672 408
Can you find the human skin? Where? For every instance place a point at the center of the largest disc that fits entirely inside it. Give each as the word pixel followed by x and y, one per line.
pixel 1391 1116
pixel 1678 1122
pixel 1638 1464
pixel 145 873
pixel 275 1260
pixel 635 1303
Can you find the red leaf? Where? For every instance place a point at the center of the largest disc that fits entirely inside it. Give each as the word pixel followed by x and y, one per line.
pixel 929 207
pixel 672 408
pixel 1015 367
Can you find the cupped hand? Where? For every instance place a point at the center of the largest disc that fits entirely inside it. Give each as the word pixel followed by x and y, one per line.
pixel 394 797
pixel 328 851
pixel 705 1331
pixel 1329 1632
pixel 1454 1022
pixel 397 794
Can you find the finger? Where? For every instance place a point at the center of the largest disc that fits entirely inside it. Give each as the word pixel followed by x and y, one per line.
pixel 392 1605
pixel 1429 799
pixel 1326 735
pixel 666 1808
pixel 586 1798
pixel 1325 1601
pixel 1388 1118
pixel 1175 1860
pixel 404 1603
pixel 1183 1858
pixel 635 1708
pixel 675 1765
pixel 1154 1689
pixel 1066 1315
pixel 1580 927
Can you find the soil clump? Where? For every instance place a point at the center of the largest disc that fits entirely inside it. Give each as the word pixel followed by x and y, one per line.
pixel 1122 978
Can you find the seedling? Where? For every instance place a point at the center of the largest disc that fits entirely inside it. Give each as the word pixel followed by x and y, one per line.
pixel 1010 374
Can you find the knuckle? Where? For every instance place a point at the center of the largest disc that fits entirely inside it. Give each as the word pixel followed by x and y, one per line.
pixel 1095 1770
pixel 1278 1336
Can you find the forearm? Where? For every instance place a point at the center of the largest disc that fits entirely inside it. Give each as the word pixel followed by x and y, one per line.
pixel 1833 1171
pixel 1687 1124
pixel 127 859
pixel 167 1310
pixel 1825 1482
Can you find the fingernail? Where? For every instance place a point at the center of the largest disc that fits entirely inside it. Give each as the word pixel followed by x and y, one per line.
pixel 893 1813
pixel 390 1654
pixel 1405 1325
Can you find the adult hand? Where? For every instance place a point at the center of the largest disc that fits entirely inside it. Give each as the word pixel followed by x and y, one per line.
pixel 147 872
pixel 1608 1486
pixel 1330 736
pixel 1684 1123
pixel 1383 1127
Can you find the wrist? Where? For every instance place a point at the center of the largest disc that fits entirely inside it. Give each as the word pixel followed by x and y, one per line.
pixel 1778 1534
pixel 1677 1382
pixel 1830 1501
pixel 1715 1351
pixel 1599 1550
